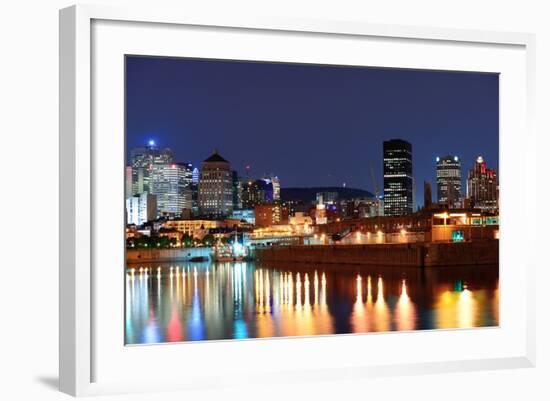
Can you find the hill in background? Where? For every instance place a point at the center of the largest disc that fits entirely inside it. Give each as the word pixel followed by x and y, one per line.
pixel 308 195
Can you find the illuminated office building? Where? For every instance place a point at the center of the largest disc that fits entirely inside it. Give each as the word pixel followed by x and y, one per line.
pixel 128 189
pixel 216 187
pixel 171 183
pixel 267 215
pixel 276 185
pixel 449 181
pixel 482 187
pixel 142 161
pixel 258 192
pixel 237 190
pixel 246 215
pixel 398 179
pixel 195 176
pixel 141 209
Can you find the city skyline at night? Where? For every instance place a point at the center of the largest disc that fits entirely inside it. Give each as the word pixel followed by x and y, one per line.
pixel 311 125
pixel 278 200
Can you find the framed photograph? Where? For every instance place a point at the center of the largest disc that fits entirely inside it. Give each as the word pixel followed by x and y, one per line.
pixel 265 199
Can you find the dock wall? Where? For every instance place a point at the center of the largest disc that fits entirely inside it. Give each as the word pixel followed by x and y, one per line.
pixel 165 255
pixel 413 254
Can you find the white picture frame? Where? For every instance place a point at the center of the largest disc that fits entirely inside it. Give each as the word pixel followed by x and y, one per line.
pixel 80 344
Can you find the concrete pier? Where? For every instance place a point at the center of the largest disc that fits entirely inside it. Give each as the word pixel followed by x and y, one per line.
pixel 413 254
pixel 165 255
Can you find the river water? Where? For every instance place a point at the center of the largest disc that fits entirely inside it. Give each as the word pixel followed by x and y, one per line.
pixel 206 301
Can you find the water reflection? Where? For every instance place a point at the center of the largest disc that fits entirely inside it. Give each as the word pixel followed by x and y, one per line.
pixel 192 302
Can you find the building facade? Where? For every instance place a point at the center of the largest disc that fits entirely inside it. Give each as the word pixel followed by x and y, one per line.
pixel 326 197
pixel 364 207
pixel 246 215
pixel 193 228
pixel 171 183
pixel 267 215
pixel 142 160
pixel 258 192
pixel 128 188
pixel 141 208
pixel 449 181
pixel 482 187
pixel 276 185
pixel 398 179
pixel 215 187
pixel 237 190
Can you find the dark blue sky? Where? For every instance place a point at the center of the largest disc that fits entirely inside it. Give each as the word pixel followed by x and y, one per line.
pixel 311 125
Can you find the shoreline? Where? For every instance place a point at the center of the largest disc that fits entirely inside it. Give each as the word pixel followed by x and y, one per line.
pixel 431 254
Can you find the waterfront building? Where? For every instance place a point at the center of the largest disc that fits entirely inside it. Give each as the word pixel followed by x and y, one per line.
pixel 300 218
pixel 142 161
pixel 301 223
pixel 430 225
pixel 215 187
pixel 449 181
pixel 141 208
pixel 267 215
pixel 398 179
pixel 320 214
pixel 462 225
pixel 193 228
pixel 482 187
pixel 171 183
pixel 258 192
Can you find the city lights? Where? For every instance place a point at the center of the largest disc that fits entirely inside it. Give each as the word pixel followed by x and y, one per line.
pixel 334 230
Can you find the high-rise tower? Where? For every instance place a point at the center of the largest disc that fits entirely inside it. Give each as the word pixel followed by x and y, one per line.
pixel 398 179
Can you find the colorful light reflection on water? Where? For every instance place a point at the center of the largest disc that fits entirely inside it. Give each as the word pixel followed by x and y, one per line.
pixel 203 301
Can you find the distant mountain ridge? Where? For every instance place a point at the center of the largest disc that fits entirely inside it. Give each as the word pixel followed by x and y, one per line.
pixel 308 195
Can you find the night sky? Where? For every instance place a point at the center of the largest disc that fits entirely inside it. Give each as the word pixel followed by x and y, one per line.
pixel 311 125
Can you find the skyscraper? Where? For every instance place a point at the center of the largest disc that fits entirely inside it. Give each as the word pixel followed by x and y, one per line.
pixel 171 183
pixel 195 176
pixel 276 184
pixel 449 181
pixel 258 192
pixel 128 182
pixel 142 160
pixel 141 208
pixel 482 187
pixel 216 187
pixel 398 179
pixel 237 190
